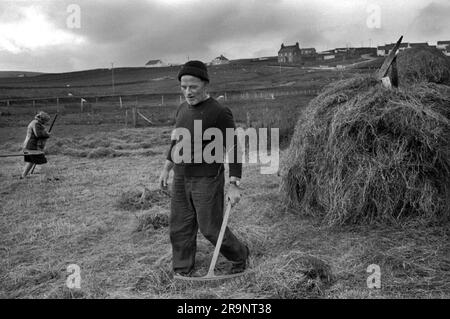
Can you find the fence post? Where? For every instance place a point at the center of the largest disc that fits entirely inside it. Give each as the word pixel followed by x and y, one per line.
pixel 249 124
pixel 120 101
pixel 162 100
pixel 225 96
pixel 126 117
pixel 134 116
pixel 57 104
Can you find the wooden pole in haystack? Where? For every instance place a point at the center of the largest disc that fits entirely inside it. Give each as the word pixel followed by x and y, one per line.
pixel 393 73
pixel 388 73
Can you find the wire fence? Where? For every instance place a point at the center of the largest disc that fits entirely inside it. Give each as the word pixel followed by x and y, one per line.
pixel 86 103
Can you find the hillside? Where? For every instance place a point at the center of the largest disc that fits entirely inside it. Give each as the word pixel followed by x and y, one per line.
pixel 97 203
pixel 17 74
pixel 242 75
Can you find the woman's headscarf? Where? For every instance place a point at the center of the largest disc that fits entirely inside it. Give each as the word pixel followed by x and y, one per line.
pixel 42 117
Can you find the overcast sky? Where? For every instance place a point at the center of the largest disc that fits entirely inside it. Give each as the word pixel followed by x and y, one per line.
pixel 50 35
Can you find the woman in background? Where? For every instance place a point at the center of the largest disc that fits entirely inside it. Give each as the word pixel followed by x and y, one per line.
pixel 37 135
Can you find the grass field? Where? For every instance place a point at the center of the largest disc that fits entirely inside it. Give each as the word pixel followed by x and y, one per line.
pixel 83 208
pixel 97 203
pixel 234 76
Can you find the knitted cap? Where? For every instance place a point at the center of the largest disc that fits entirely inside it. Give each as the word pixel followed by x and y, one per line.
pixel 194 68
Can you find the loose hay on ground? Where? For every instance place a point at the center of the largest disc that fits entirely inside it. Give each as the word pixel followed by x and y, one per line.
pixel 152 222
pixel 361 153
pixel 134 200
pixel 294 275
pixel 100 152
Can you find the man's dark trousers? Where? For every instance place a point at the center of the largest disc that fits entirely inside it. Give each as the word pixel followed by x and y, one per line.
pixel 198 202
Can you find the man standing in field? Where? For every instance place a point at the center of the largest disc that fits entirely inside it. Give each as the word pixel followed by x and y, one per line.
pixel 198 187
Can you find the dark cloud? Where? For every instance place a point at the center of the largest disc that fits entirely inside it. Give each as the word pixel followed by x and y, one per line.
pixel 133 32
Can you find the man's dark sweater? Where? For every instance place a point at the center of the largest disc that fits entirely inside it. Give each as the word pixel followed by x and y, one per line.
pixel 212 115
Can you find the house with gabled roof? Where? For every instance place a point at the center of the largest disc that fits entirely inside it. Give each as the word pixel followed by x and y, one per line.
pixel 289 53
pixel 295 54
pixel 220 60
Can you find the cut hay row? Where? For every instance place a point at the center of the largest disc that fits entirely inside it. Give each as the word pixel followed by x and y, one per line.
pixel 364 154
pixel 102 145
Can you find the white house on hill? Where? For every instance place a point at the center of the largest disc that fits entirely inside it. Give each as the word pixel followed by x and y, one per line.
pixel 443 45
pixel 156 64
pixel 220 60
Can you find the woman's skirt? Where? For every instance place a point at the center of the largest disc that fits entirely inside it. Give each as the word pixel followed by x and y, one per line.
pixel 35 159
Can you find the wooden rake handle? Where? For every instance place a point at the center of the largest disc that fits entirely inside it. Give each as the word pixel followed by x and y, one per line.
pixel 219 240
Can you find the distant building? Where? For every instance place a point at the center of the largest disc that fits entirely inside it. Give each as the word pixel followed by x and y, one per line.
pixel 308 51
pixel 308 54
pixel 418 45
pixel 295 54
pixel 365 50
pixel 220 60
pixel 289 53
pixel 341 50
pixel 326 55
pixel 442 45
pixel 156 64
pixel 266 59
pixel 384 50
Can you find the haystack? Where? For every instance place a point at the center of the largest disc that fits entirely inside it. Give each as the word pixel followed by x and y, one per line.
pixel 423 64
pixel 365 154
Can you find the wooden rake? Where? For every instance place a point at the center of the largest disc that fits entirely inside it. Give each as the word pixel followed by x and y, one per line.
pixel 27 152
pixel 211 276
